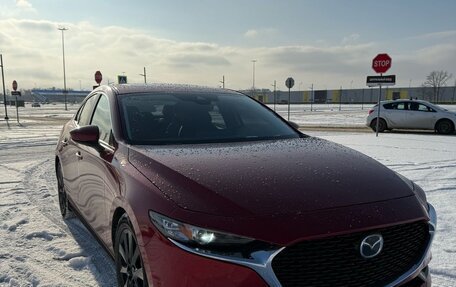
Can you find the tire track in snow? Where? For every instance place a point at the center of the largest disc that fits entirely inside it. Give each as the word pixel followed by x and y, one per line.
pixel 41 178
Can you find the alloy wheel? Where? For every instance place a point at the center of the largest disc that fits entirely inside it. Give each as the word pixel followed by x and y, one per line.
pixel 129 262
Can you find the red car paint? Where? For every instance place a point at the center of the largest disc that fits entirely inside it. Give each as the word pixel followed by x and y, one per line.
pixel 281 192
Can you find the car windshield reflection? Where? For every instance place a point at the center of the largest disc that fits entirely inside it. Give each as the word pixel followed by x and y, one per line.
pixel 199 118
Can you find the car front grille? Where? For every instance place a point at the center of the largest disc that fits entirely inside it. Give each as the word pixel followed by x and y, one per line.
pixel 337 261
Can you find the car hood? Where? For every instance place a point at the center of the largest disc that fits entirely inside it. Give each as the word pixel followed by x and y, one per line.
pixel 266 178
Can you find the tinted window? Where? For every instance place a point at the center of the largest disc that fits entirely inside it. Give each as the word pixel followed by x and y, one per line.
pixel 388 106
pixel 86 112
pixel 190 118
pixel 396 106
pixel 414 106
pixel 102 119
pixel 424 108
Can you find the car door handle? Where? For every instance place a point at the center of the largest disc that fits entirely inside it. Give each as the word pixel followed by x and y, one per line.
pixel 79 155
pixel 64 142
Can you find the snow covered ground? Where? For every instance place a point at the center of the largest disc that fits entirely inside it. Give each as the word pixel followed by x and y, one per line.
pixel 38 248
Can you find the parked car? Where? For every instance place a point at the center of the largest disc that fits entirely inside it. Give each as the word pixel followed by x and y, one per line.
pixel 36 105
pixel 411 114
pixel 190 186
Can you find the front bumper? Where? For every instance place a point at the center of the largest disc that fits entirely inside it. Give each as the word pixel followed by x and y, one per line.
pixel 183 266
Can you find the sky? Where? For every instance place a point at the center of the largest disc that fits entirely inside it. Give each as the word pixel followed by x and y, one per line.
pixel 326 43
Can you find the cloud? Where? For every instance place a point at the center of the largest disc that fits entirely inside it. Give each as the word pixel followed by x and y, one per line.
pixel 32 54
pixel 23 4
pixel 448 35
pixel 351 39
pixel 259 33
pixel 251 33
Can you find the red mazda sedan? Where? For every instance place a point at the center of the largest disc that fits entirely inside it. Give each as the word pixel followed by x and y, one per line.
pixel 190 186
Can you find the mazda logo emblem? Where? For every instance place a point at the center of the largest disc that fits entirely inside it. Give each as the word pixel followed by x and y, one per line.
pixel 371 246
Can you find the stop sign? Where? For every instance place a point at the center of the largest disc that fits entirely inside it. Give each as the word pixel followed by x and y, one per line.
pixel 14 85
pixel 381 63
pixel 289 82
pixel 98 77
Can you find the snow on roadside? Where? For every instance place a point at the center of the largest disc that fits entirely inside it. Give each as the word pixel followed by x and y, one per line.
pixel 37 246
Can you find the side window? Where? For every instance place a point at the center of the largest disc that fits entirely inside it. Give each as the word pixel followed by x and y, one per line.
pixel 401 106
pixel 102 119
pixel 78 114
pixel 425 108
pixel 388 106
pixel 414 106
pixel 86 113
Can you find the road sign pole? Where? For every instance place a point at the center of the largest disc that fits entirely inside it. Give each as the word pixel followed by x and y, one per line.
pixel 17 111
pixel 4 91
pixel 380 64
pixel 289 97
pixel 289 83
pixel 378 109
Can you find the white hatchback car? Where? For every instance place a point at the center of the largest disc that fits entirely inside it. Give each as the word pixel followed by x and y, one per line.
pixel 412 114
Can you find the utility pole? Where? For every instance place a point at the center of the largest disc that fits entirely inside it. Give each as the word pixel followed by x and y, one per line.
pixel 275 88
pixel 144 75
pixel 4 91
pixel 253 87
pixel 362 101
pixel 340 99
pixel 311 98
pixel 454 90
pixel 63 29
pixel 223 81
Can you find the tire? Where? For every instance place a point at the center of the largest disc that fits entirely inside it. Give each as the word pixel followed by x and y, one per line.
pixel 129 265
pixel 381 125
pixel 64 204
pixel 444 127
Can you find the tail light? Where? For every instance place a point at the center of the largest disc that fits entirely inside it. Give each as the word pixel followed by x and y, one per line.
pixel 371 111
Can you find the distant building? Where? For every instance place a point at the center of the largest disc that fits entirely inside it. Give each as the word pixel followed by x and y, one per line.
pixel 352 96
pixel 54 95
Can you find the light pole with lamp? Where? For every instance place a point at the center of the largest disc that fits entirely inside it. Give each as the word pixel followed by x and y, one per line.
pixel 63 29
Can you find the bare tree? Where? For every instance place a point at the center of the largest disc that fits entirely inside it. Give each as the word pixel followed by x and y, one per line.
pixel 436 80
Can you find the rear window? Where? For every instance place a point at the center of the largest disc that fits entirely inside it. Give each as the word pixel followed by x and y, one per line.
pixel 181 118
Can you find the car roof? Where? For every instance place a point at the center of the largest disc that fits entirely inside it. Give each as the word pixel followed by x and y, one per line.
pixel 165 88
pixel 405 100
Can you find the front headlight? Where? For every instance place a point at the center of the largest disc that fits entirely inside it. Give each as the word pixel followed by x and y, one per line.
pixel 244 251
pixel 193 235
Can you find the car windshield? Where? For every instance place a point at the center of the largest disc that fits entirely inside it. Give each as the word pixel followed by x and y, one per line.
pixel 180 118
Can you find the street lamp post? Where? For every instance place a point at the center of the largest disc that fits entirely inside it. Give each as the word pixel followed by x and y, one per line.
pixel 63 29
pixel 253 87
pixel 4 91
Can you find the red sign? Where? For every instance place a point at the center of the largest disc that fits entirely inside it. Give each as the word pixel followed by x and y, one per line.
pixel 14 85
pixel 381 63
pixel 98 77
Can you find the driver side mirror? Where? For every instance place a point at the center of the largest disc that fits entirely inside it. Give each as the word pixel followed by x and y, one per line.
pixel 86 135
